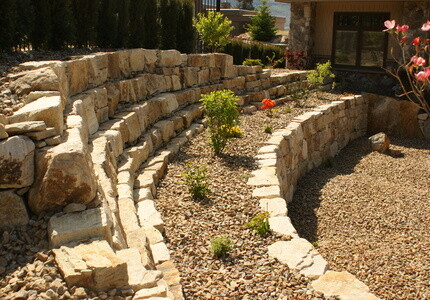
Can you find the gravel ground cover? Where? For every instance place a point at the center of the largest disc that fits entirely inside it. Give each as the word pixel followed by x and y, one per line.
pixel 369 214
pixel 248 273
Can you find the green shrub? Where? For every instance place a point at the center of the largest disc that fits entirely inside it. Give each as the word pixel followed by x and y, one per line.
pixel 316 77
pixel 220 108
pixel 63 24
pixel 268 129
pixel 214 29
pixel 152 26
pixel 196 180
pixel 260 224
pixel 169 12
pixel 221 246
pixel 42 29
pixel 25 26
pixel 240 51
pixel 262 27
pixel 252 62
pixel 185 34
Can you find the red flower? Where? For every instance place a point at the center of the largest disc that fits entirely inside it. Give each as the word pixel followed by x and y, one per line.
pixel 417 41
pixel 419 61
pixel 402 28
pixel 267 103
pixel 404 40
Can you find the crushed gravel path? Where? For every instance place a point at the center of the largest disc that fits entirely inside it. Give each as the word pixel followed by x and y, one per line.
pixel 369 213
pixel 248 273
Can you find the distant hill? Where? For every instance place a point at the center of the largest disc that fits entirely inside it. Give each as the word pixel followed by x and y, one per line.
pixel 277 9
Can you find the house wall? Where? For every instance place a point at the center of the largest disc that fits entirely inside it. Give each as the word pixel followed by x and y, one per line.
pixel 323 37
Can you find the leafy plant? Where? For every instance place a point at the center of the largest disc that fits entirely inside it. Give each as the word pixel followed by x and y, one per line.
pixel 288 110
pixel 235 132
pixel 317 77
pixel 260 224
pixel 295 60
pixel 253 62
pixel 262 27
pixel 221 246
pixel 276 63
pixel 196 180
pixel 268 129
pixel 221 112
pixel 241 50
pixel 214 29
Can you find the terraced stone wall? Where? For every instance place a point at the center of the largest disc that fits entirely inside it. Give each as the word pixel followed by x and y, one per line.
pixel 91 143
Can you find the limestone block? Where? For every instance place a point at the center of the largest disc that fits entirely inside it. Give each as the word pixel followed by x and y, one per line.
pixel 91 223
pixel 137 60
pixel 282 226
pixel 16 162
pixel 151 59
pixel 117 125
pixel 131 120
pixel 124 63
pixel 137 239
pixel 276 207
pixel 203 76
pixel 84 106
pixel 41 135
pixel 138 276
pixel 148 215
pixel 142 114
pixel 317 268
pixel 214 74
pixel 47 109
pixel 160 252
pixel 124 87
pixel 264 177
pixel 24 127
pixel 141 194
pixel 170 273
pixel 189 76
pixel 159 168
pixel 77 75
pixel 93 265
pixel 139 88
pixel 153 235
pixel 166 129
pixel 267 192
pixel 3 133
pixel 169 58
pixel 380 142
pixel 43 79
pixel 158 292
pixel 53 141
pixel 12 210
pixel 97 69
pixel 201 60
pixel 344 285
pixel 64 174
pixel 127 215
pixel 176 82
pixel 154 83
pixel 190 113
pixel 167 102
pixel 113 97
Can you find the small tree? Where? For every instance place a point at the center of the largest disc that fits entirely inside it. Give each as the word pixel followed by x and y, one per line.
pixel 214 29
pixel 262 27
pixel 245 4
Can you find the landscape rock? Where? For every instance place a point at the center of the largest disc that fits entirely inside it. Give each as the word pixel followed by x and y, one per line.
pixel 12 210
pixel 3 133
pixel 24 127
pixel 93 265
pixel 380 142
pixel 43 79
pixel 16 162
pixel 74 207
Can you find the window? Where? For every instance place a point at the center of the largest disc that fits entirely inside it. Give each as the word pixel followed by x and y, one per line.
pixel 358 39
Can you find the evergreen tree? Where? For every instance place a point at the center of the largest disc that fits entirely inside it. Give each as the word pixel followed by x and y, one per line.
pixel 137 23
pixel 63 27
pixel 152 25
pixel 8 21
pixel 123 24
pixel 25 26
pixel 185 33
pixel 86 16
pixel 107 26
pixel 42 24
pixel 245 4
pixel 262 27
pixel 169 20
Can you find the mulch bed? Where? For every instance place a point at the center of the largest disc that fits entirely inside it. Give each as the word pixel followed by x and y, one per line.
pixel 369 214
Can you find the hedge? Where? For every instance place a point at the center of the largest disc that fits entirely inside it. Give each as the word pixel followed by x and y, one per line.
pixel 52 25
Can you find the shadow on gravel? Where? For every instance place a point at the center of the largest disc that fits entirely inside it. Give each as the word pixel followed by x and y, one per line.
pixel 302 209
pixel 233 161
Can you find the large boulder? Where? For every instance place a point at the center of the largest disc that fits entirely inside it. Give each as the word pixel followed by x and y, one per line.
pixel 12 210
pixel 380 142
pixel 16 162
pixel 64 174
pixel 43 79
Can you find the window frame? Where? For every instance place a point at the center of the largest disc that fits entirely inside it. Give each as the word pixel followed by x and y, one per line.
pixel 359 29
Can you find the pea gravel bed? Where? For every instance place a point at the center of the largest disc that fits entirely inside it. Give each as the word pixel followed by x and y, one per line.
pixel 248 273
pixel 368 213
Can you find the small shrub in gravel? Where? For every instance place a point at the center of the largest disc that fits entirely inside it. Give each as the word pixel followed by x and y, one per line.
pixel 235 132
pixel 221 112
pixel 196 180
pixel 268 129
pixel 221 246
pixel 260 224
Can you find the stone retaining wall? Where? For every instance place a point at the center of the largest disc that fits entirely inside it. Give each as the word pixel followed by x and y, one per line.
pixel 308 141
pixel 91 143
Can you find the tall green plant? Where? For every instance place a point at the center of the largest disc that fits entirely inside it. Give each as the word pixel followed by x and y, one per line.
pixel 42 31
pixel 152 28
pixel 137 23
pixel 8 21
pixel 214 29
pixel 123 24
pixel 220 108
pixel 86 14
pixel 107 26
pixel 185 31
pixel 169 10
pixel 63 26
pixel 317 77
pixel 262 27
pixel 25 26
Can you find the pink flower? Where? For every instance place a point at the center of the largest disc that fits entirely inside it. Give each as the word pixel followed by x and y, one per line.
pixel 426 26
pixel 390 24
pixel 423 75
pixel 403 28
pixel 417 41
pixel 419 61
